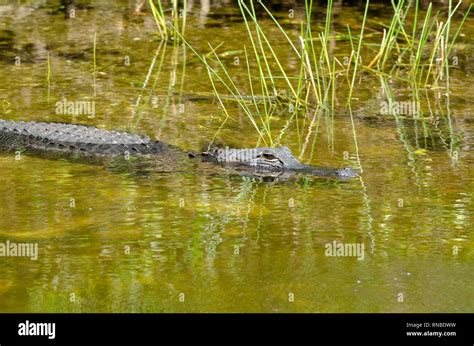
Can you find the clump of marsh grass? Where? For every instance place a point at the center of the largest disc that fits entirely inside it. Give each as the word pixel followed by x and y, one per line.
pixel 410 49
pixel 420 57
pixel 271 89
pixel 423 53
pixel 162 20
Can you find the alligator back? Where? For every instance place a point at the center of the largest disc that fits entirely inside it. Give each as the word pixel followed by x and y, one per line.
pixel 70 138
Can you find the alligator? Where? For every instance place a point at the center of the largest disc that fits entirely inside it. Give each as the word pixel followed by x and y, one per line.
pixel 88 141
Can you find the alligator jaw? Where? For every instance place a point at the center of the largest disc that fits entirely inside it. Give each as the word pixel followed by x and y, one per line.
pixel 342 173
pixel 270 162
pixel 274 175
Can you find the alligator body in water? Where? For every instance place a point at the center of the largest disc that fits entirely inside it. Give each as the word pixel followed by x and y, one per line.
pixel 60 138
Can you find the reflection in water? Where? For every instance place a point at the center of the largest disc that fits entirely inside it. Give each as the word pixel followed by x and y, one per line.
pixel 171 235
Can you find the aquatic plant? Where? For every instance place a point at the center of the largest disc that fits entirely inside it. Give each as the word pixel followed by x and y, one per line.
pixel 161 20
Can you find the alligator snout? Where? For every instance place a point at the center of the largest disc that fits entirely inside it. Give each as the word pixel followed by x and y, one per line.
pixel 347 172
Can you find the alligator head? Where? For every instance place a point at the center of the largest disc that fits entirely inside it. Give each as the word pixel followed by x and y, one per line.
pixel 264 161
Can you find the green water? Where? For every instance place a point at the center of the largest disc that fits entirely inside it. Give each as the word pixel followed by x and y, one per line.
pixel 204 241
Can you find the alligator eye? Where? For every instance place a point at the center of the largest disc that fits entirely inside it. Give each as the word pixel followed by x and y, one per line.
pixel 269 156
